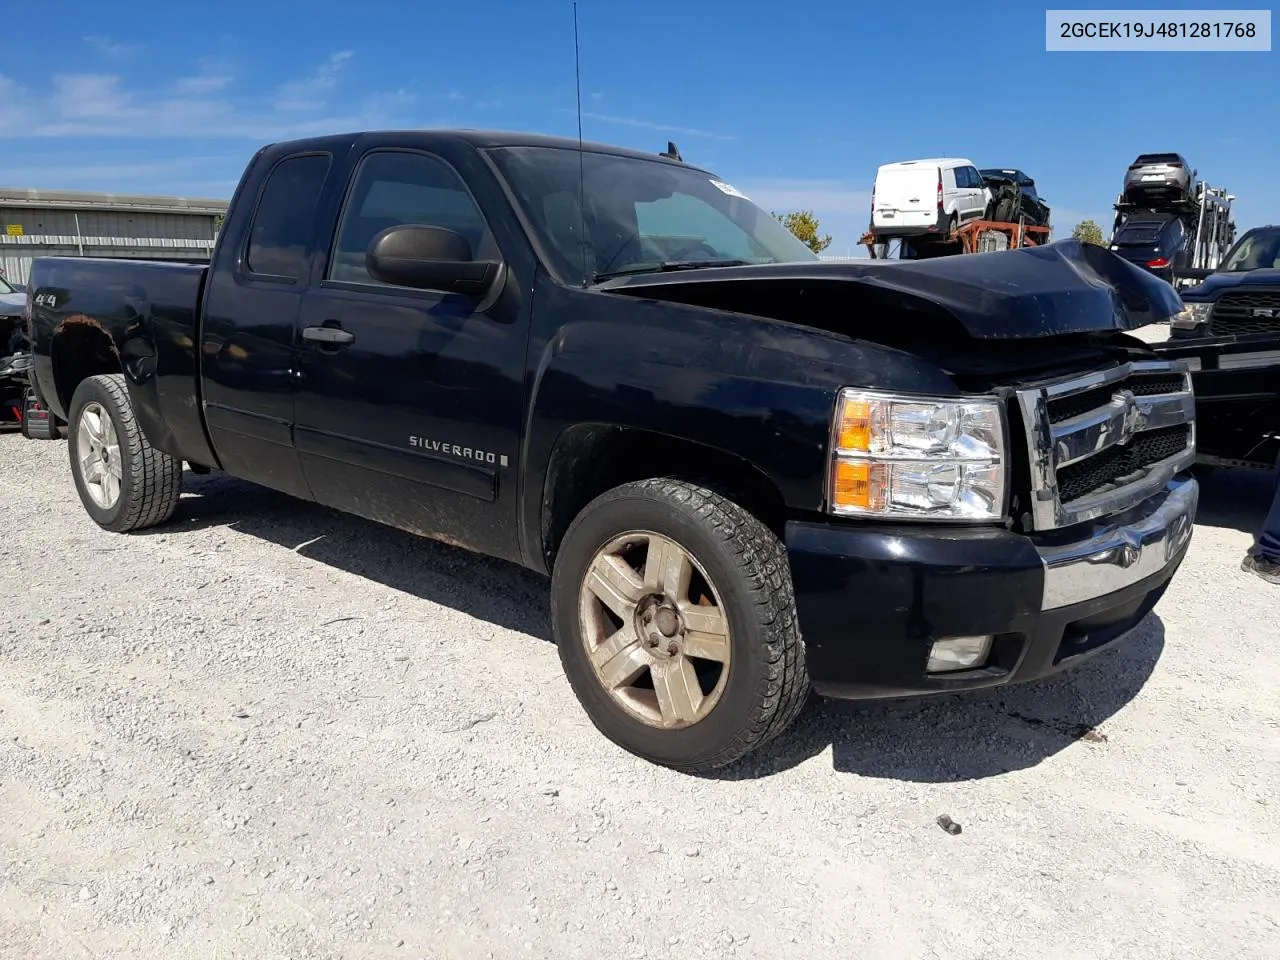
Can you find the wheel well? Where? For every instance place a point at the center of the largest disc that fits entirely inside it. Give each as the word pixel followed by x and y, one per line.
pixel 80 349
pixel 590 459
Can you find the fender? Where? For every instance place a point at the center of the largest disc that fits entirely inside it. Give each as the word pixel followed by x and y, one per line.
pixel 755 390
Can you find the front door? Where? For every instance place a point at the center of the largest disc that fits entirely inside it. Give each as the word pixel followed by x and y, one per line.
pixel 409 402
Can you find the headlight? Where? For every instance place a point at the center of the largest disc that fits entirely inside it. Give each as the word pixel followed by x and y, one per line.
pixel 917 458
pixel 1191 316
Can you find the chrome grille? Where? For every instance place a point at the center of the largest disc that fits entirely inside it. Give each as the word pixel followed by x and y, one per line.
pixel 1241 314
pixel 1103 442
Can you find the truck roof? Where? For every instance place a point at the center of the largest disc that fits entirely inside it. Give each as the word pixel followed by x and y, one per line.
pixel 482 139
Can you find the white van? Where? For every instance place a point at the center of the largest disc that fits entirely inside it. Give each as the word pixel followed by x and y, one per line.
pixel 917 197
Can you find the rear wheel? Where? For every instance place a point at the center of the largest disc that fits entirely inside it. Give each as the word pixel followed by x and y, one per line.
pixel 124 482
pixel 675 622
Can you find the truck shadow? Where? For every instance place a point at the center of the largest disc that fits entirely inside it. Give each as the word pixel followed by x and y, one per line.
pixel 969 736
pixel 1237 499
pixel 933 740
pixel 495 591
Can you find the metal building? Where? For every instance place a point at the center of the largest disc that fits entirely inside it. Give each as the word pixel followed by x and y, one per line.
pixel 57 223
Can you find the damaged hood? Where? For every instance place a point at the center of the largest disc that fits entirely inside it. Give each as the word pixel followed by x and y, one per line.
pixel 1061 288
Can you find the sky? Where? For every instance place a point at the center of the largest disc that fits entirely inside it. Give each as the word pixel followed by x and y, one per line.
pixel 795 104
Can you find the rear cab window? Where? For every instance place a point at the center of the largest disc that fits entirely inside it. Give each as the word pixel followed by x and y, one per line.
pixel 283 224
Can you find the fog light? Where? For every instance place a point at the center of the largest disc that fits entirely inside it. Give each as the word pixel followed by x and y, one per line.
pixel 958 653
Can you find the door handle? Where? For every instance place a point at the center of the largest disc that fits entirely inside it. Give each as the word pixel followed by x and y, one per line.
pixel 329 336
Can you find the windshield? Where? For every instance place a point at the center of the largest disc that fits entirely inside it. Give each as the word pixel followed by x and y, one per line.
pixel 639 214
pixel 1257 250
pixel 6 286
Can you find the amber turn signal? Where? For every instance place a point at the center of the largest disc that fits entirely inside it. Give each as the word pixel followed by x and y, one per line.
pixel 860 485
pixel 854 433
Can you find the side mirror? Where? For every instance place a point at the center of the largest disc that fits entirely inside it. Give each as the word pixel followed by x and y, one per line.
pixel 428 258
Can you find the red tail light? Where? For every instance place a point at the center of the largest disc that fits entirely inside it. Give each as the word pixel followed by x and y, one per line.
pixel 1158 262
pixel 939 191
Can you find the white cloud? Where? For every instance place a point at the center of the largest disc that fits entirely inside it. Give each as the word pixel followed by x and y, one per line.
pixel 310 94
pixel 110 48
pixel 199 86
pixel 196 107
pixel 661 127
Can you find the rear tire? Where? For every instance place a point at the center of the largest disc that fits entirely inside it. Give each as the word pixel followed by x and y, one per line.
pixel 124 482
pixel 724 672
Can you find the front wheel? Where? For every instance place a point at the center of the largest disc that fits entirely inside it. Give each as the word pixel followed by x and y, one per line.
pixel 676 625
pixel 124 482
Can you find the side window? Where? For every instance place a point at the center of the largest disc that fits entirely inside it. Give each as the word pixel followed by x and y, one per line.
pixel 282 225
pixel 962 178
pixel 391 189
pixel 975 178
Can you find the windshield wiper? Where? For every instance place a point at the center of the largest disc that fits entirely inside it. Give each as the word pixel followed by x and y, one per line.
pixel 669 266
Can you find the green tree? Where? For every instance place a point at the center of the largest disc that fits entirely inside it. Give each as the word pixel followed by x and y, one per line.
pixel 1086 231
pixel 805 226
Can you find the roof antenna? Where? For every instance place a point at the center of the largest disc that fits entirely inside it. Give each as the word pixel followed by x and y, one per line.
pixel 673 152
pixel 582 176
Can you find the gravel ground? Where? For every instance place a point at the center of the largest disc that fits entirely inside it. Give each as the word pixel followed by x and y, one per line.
pixel 269 730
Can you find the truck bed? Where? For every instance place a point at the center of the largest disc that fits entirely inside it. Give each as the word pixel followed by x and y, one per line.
pixel 143 311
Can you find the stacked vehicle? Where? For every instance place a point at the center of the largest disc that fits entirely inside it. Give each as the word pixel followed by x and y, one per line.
pixel 18 404
pixel 1169 222
pixel 946 205
pixel 14 353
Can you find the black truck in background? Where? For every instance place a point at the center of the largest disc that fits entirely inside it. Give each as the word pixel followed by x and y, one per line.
pixel 748 474
pixel 1228 332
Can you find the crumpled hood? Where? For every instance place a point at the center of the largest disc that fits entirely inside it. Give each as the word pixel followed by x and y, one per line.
pixel 1066 287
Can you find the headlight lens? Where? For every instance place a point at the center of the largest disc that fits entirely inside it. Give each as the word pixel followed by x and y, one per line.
pixel 1191 316
pixel 913 458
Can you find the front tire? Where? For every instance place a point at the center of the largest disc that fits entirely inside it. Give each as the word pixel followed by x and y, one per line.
pixel 675 620
pixel 124 482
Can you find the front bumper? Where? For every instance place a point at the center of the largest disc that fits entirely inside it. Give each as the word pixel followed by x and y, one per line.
pixel 872 599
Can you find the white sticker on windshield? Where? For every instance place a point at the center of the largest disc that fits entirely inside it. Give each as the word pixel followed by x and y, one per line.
pixel 730 190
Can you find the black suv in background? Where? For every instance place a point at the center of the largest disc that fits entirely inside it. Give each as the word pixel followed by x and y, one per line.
pixel 1159 244
pixel 1014 194
pixel 1229 331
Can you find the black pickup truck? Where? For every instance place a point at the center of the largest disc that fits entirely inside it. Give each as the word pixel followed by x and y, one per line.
pixel 1228 333
pixel 748 474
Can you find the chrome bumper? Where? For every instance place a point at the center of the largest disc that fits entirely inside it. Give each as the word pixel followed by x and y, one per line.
pixel 1120 551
